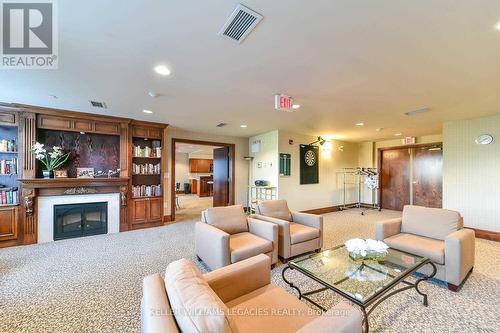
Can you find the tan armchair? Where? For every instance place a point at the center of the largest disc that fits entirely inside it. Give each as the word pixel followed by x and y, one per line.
pixel 298 232
pixel 236 298
pixel 437 234
pixel 226 235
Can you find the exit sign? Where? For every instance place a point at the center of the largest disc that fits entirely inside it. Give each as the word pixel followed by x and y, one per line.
pixel 283 102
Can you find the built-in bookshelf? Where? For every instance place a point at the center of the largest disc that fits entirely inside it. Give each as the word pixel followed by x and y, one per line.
pixel 9 165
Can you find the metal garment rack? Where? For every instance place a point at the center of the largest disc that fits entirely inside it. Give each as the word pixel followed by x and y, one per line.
pixel 359 174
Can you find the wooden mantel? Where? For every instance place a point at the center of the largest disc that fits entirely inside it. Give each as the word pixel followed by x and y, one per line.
pixel 72 182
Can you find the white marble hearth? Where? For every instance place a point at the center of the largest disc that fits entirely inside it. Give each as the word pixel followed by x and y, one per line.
pixel 46 211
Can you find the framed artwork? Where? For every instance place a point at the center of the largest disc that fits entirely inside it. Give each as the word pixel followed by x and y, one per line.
pixel 61 173
pixel 84 172
pixel 309 164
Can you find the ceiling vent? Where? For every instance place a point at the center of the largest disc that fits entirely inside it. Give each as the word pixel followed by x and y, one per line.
pixel 414 112
pixel 100 105
pixel 221 124
pixel 240 23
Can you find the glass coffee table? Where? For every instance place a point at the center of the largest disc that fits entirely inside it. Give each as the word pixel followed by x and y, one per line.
pixel 365 283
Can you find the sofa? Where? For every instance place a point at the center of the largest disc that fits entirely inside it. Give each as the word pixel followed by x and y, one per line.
pixel 437 234
pixel 298 233
pixel 226 235
pixel 236 298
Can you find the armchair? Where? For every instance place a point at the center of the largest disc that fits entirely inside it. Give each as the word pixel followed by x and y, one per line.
pixel 437 234
pixel 226 235
pixel 236 298
pixel 298 233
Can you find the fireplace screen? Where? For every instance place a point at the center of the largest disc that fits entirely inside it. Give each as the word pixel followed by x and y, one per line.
pixel 78 220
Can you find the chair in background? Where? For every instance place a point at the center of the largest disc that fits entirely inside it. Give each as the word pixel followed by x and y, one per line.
pixel 226 235
pixel 437 234
pixel 298 232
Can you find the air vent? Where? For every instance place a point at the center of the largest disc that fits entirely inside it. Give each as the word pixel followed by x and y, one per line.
pixel 100 105
pixel 221 124
pixel 240 23
pixel 414 112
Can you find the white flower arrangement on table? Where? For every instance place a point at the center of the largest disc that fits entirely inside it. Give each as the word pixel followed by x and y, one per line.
pixel 370 249
pixel 50 160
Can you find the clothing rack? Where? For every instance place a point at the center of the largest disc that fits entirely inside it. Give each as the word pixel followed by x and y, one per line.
pixel 363 177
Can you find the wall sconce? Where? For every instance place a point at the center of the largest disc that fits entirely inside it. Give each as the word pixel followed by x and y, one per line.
pixel 327 147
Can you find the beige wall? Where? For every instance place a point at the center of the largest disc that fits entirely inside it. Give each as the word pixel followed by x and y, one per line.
pixel 265 163
pixel 329 190
pixel 471 172
pixel 241 169
pixel 181 168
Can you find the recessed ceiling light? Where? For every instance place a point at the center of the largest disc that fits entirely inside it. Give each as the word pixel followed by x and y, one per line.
pixel 295 106
pixel 147 111
pixel 398 134
pixel 153 94
pixel 162 70
pixel 360 124
pixel 243 126
pixel 497 26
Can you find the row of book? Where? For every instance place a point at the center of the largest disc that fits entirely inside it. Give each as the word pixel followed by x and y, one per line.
pixel 146 191
pixel 8 167
pixel 146 169
pixel 153 151
pixel 8 145
pixel 10 197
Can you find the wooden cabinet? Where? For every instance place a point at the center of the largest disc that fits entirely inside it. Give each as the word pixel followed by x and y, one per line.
pixel 8 224
pixel 194 186
pixel 205 186
pixel 198 165
pixel 147 132
pixel 146 211
pixel 78 125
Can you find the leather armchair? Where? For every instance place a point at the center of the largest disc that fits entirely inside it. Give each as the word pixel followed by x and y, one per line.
pixel 437 234
pixel 236 298
pixel 298 232
pixel 226 235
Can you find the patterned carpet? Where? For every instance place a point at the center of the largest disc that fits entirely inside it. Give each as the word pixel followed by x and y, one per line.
pixel 93 284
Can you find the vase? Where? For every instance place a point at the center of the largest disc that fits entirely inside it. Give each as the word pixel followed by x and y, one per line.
pixel 47 174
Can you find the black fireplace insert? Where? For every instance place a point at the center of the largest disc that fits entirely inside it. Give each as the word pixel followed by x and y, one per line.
pixel 78 220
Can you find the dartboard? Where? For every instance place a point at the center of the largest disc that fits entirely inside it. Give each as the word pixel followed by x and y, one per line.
pixel 310 158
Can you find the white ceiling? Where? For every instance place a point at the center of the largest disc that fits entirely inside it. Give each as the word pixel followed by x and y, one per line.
pixel 344 61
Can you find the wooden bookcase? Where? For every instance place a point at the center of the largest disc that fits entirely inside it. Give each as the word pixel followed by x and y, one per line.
pixel 146 174
pixel 9 174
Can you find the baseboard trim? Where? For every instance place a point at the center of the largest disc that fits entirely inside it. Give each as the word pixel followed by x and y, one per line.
pixel 167 218
pixel 486 234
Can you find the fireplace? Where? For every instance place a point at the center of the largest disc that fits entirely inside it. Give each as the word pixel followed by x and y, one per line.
pixel 81 219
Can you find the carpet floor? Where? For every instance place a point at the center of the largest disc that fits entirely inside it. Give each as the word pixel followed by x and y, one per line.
pixel 93 284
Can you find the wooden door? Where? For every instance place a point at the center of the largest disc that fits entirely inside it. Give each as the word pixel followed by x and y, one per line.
pixel 395 178
pixel 139 210
pixel 221 176
pixel 155 209
pixel 427 177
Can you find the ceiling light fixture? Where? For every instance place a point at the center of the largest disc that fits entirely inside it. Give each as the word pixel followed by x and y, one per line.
pixel 296 106
pixel 153 94
pixel 147 111
pixel 398 134
pixel 162 70
pixel 243 126
pixel 497 26
pixel 360 124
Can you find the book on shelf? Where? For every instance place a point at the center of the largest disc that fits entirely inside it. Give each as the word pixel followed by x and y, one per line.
pixel 154 151
pixel 9 146
pixel 146 169
pixel 9 196
pixel 146 191
pixel 8 167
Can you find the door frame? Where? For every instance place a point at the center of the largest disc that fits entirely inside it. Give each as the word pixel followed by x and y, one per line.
pixel 379 159
pixel 231 147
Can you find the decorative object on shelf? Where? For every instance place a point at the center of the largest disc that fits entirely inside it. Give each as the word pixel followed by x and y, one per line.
pixel 61 173
pixel 370 249
pixel 84 172
pixel 50 160
pixel 109 174
pixel 80 190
